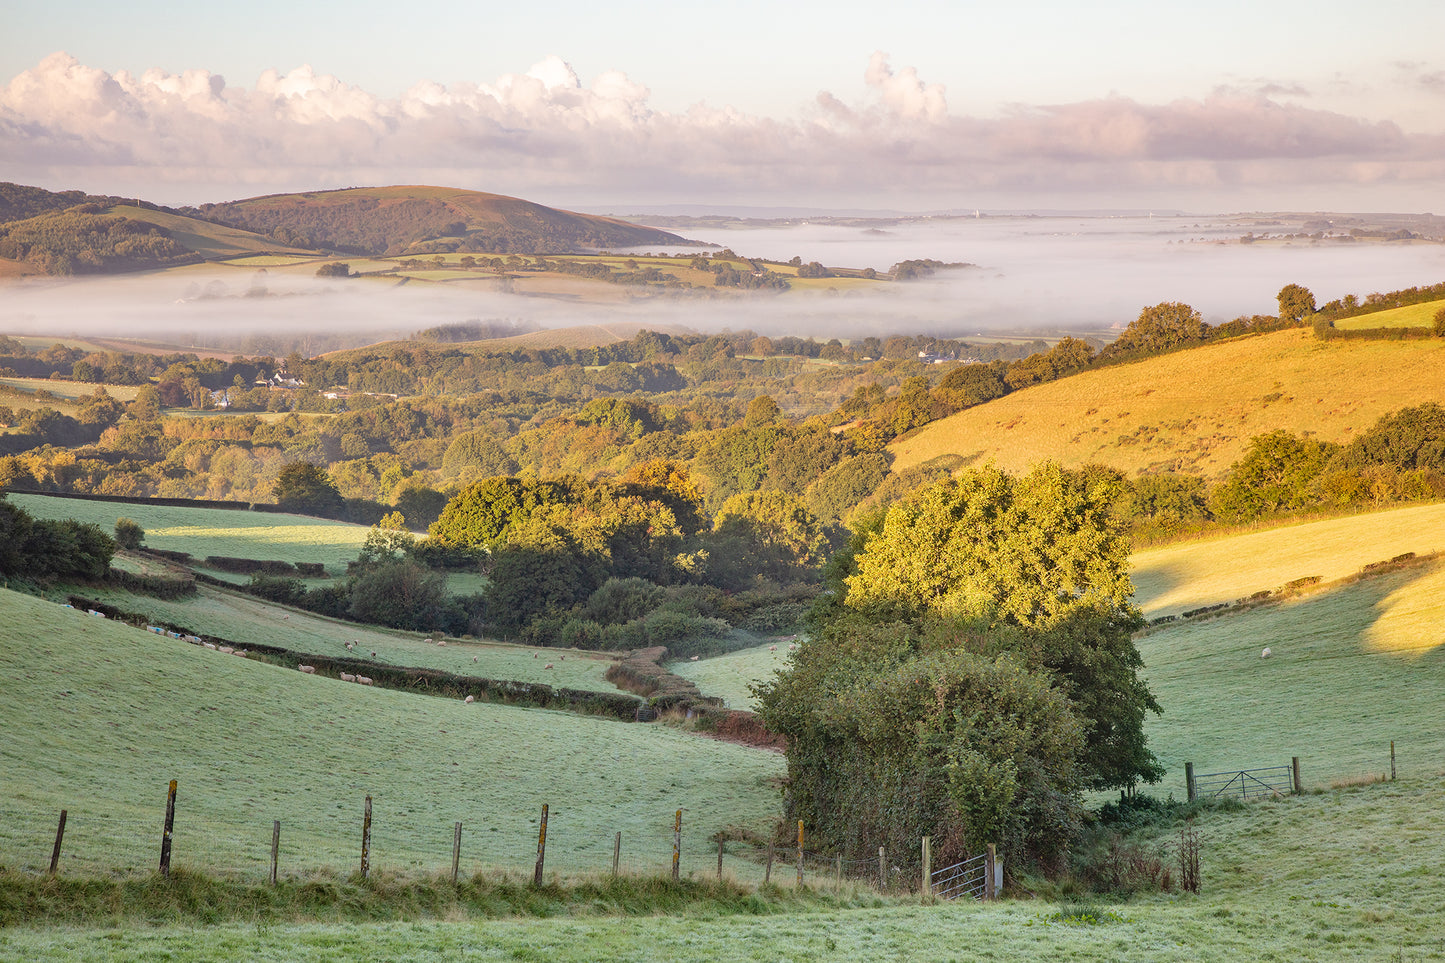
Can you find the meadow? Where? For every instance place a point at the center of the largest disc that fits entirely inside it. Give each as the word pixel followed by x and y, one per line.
pixel 1193 411
pixel 1410 316
pixel 730 676
pixel 99 716
pixel 70 390
pixel 212 531
pixel 1182 576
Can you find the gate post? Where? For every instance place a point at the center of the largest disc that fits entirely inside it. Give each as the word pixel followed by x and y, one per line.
pixel 989 890
pixel 927 865
pixel 1294 765
pixel 1189 779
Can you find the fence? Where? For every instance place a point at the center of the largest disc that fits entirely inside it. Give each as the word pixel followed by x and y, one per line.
pixel 366 838
pixel 1244 783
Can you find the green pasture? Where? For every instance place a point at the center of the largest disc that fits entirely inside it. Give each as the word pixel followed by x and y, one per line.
pixel 1188 575
pixel 1349 875
pixel 73 390
pixel 1351 669
pixel 1410 316
pixel 730 676
pixel 99 717
pixel 276 260
pixel 215 531
pixel 247 620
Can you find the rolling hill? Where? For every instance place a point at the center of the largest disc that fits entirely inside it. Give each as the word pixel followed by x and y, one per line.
pixel 430 220
pixel 1193 411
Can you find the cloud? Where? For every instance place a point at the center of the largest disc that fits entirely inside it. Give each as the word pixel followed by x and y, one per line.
pixel 546 133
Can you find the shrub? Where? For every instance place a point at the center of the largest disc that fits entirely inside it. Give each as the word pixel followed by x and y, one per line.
pixel 128 533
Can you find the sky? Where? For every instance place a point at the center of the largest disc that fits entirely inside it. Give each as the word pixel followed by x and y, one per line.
pixel 911 105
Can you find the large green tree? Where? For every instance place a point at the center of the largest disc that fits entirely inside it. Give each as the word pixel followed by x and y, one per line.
pixel 308 489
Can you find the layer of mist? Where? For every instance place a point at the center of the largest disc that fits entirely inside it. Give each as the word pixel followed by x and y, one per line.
pixel 1032 275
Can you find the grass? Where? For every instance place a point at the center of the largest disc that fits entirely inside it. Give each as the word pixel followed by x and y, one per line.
pixel 209 240
pixel 1351 875
pixel 98 716
pixel 1188 575
pixel 1410 316
pixel 730 676
pixel 214 531
pixel 1193 410
pixel 1351 669
pixel 247 620
pixel 72 390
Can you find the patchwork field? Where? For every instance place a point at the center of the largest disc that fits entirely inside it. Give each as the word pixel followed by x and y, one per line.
pixel 1191 411
pixel 72 390
pixel 99 716
pixel 730 676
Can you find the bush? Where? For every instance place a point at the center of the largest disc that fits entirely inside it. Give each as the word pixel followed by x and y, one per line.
pixel 128 534
pixel 620 600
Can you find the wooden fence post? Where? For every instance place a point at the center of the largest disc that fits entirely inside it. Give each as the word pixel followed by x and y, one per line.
pixel 1189 779
pixel 170 828
pixel 60 834
pixel 768 873
pixel 456 852
pixel 1294 765
pixel 616 852
pixel 275 847
pixel 541 848
pixel 719 858
pixel 839 869
pixel 927 854
pixel 882 868
pixel 988 877
pixel 366 840
pixel 676 844
pixel 1392 769
pixel 800 852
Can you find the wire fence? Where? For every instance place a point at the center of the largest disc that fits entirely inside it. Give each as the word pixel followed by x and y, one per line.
pixel 100 841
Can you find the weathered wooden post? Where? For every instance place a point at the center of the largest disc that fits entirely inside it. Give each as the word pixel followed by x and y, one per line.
pixel 882 868
pixel 800 852
pixel 275 847
pixel 541 848
pixel 1189 779
pixel 60 835
pixel 927 865
pixel 838 870
pixel 719 858
pixel 169 829
pixel 768 873
pixel 676 843
pixel 366 840
pixel 989 891
pixel 616 852
pixel 1392 767
pixel 1294 765
pixel 456 851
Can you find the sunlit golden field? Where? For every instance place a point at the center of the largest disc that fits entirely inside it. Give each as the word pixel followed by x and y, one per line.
pixel 1194 410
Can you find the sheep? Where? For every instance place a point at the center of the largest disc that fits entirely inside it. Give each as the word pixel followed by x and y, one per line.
pixel 373 655
pixel 285 617
pixel 347 677
pixel 1266 653
pixel 547 666
pixel 241 652
pixel 474 660
pixel 364 680
pixel 308 669
pixel 562 658
pixel 349 646
pixel 192 638
pixel 772 648
pixel 693 659
pixel 469 700
pixel 209 645
pixel 534 655
pixel 441 641
pixel 226 650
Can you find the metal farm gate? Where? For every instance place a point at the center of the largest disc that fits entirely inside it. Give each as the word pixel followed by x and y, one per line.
pixel 968 878
pixel 1245 783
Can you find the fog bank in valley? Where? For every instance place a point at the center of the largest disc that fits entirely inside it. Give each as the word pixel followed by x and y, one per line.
pixel 1029 275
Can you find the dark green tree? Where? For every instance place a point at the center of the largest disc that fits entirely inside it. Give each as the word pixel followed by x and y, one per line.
pixel 1295 303
pixel 307 489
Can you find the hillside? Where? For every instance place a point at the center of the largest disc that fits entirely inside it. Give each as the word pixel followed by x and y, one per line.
pixel 211 241
pixel 102 715
pixel 429 220
pixel 1192 411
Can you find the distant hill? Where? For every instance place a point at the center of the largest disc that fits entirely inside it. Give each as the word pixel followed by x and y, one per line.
pixel 428 220
pixel 1193 411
